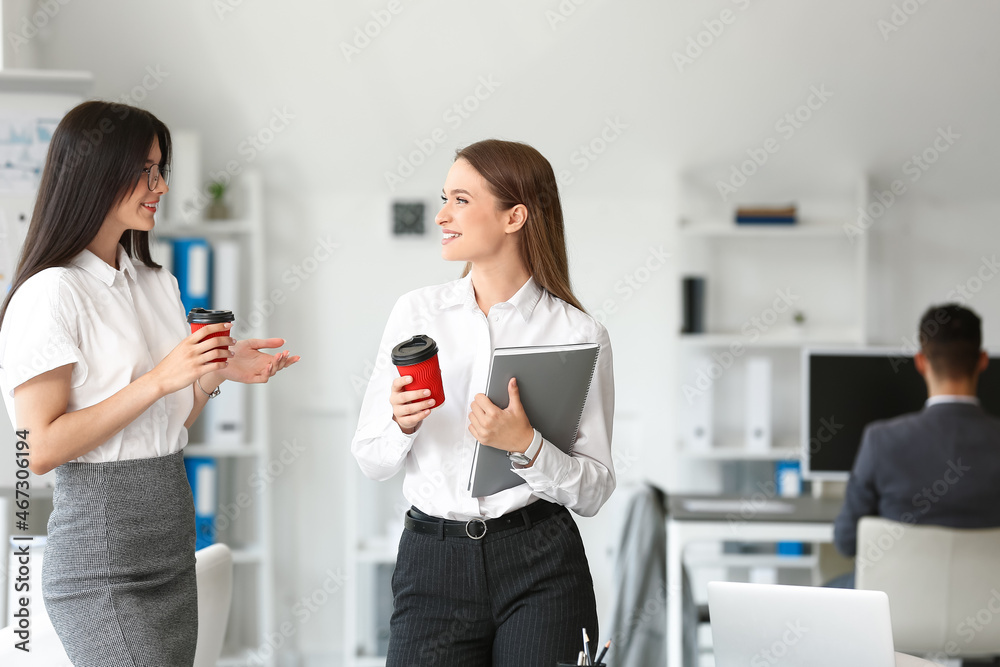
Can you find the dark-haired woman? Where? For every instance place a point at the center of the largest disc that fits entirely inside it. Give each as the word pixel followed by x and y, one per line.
pixel 98 366
pixel 520 593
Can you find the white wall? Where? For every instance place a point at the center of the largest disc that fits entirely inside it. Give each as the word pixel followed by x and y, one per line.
pixel 559 85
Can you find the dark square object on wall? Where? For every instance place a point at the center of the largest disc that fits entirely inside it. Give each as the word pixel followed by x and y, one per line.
pixel 407 218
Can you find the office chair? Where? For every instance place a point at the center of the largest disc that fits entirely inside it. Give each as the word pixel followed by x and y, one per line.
pixel 214 568
pixel 943 585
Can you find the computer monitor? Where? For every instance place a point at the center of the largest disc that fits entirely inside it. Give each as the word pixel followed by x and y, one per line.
pixel 845 390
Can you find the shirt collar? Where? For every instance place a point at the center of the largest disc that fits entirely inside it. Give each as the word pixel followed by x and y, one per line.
pixel 103 271
pixel 951 398
pixel 526 298
pixel 462 293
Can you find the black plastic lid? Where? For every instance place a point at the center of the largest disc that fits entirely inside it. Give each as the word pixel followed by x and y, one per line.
pixel 413 351
pixel 202 316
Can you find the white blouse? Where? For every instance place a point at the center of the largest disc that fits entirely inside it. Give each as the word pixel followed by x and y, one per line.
pixel 438 455
pixel 113 326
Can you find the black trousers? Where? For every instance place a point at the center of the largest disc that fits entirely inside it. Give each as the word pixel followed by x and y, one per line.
pixel 516 597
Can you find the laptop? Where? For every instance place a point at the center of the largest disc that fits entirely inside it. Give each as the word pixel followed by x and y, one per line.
pixel 759 625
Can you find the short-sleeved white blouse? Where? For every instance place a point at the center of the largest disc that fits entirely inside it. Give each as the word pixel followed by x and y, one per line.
pixel 113 326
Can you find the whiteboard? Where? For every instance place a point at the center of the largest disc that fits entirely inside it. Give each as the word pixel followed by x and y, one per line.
pixel 31 104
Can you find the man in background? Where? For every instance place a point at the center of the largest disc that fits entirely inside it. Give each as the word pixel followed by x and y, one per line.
pixel 939 466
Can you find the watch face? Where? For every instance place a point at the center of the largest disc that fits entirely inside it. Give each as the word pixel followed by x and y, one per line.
pixel 519 458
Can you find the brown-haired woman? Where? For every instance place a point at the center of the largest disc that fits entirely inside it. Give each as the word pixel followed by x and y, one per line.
pixel 521 593
pixel 98 366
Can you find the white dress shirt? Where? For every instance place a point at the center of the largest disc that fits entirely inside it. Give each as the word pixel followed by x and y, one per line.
pixel 438 456
pixel 951 398
pixel 113 326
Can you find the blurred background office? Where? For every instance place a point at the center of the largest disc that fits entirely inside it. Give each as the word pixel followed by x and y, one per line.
pixel 876 120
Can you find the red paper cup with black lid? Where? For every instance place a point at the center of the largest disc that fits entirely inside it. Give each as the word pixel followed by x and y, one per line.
pixel 418 358
pixel 199 317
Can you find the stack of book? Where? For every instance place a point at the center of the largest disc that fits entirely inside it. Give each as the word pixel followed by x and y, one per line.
pixel 766 215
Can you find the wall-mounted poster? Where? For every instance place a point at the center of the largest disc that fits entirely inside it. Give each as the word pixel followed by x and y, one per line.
pixel 24 141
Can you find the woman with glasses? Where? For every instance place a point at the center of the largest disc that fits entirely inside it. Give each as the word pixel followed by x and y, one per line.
pixel 101 378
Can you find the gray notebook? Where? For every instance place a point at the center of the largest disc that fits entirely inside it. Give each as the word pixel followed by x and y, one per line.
pixel 554 381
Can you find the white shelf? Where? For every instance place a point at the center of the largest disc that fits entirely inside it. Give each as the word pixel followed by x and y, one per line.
pixel 243 659
pixel 777 338
pixel 738 452
pixel 754 560
pixel 251 555
pixel 173 229
pixel 369 661
pixel 221 451
pixel 47 81
pixel 376 551
pixel 803 229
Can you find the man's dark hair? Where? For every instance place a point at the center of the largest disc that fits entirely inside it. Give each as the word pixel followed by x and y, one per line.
pixel 951 338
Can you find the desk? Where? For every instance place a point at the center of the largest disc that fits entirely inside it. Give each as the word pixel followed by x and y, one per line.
pixel 696 518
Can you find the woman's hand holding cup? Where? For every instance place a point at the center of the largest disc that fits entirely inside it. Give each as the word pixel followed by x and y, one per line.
pixel 416 359
pixel 409 408
pixel 194 357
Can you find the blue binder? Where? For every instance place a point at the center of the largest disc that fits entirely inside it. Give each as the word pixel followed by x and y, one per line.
pixel 202 475
pixel 193 270
pixel 788 476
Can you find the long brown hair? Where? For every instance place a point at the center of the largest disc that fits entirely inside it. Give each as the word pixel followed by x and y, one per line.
pixel 519 174
pixel 95 160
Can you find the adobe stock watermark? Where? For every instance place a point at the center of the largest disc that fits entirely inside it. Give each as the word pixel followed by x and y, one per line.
pixel 962 294
pixel 27 28
pixel 922 501
pixel 967 629
pixel 563 11
pixel 259 480
pixel 780 647
pixel 751 331
pixel 303 610
pixel 248 149
pixel 703 40
pixel 898 17
pixel 92 138
pixel 786 126
pixel 364 34
pixel 768 491
pixel 418 320
pixel 294 277
pixel 914 167
pixel 632 282
pixel 463 621
pixel 225 7
pixel 653 607
pixel 453 117
pixel 588 153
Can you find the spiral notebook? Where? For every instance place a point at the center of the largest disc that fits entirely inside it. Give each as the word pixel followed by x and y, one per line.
pixel 553 381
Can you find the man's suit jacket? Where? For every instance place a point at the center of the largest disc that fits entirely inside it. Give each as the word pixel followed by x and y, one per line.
pixel 939 466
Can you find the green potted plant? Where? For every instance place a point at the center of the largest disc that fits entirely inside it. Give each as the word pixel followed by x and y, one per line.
pixel 217 209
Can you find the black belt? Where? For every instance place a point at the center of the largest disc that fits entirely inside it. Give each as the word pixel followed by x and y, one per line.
pixel 476 529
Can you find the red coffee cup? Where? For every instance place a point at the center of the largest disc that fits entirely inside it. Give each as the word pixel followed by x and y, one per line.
pixel 199 317
pixel 417 357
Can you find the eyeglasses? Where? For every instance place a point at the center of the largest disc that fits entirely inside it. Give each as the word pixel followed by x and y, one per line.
pixel 153 174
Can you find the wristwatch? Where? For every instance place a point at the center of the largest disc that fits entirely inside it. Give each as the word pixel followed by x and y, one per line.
pixel 523 459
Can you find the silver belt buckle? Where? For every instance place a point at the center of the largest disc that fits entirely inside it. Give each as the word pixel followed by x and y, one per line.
pixel 471 536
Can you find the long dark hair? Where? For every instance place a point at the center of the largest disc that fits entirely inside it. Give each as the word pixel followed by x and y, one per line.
pixel 94 162
pixel 519 174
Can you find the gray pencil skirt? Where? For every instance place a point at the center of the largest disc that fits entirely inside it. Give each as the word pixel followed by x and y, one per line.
pixel 118 576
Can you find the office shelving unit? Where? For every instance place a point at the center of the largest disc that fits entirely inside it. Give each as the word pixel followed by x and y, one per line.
pixel 749 264
pixel 744 267
pixel 372 540
pixel 249 532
